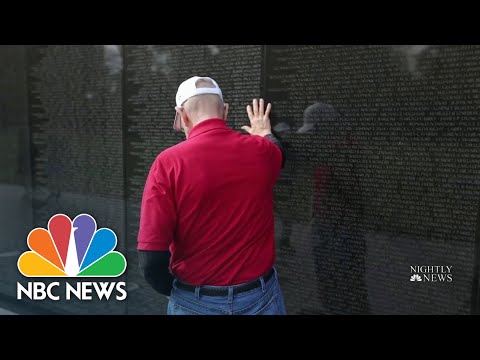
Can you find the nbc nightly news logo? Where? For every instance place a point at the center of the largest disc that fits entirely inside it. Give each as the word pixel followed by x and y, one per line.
pixel 431 273
pixel 71 249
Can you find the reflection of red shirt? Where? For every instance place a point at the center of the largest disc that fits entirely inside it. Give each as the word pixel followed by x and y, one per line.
pixel 209 200
pixel 323 179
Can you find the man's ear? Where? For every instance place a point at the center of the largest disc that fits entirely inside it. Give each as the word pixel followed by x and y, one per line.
pixel 225 113
pixel 185 122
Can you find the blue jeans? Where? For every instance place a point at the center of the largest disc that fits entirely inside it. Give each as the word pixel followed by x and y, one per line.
pixel 266 299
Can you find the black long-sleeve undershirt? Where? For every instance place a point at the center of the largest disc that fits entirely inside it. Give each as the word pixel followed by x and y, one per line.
pixel 155 268
pixel 277 142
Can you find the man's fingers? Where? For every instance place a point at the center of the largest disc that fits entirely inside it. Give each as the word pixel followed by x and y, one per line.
pixel 247 129
pixel 250 113
pixel 269 108
pixel 255 106
pixel 261 108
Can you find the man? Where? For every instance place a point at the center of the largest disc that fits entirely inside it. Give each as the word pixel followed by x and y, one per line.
pixel 206 226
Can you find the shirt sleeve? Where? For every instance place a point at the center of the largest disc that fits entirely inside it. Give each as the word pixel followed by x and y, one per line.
pixel 157 214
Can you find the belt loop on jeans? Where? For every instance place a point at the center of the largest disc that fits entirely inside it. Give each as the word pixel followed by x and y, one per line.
pixel 230 294
pixel 262 281
pixel 197 293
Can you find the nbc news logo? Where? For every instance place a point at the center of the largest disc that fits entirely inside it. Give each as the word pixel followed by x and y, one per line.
pixel 415 277
pixel 74 249
pixel 431 273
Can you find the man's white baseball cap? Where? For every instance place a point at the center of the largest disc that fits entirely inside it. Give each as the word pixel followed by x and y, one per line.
pixel 188 89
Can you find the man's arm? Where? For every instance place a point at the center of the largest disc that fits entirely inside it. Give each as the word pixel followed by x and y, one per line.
pixel 277 142
pixel 260 124
pixel 157 226
pixel 155 268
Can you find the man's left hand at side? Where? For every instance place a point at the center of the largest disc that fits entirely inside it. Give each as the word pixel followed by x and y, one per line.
pixel 154 266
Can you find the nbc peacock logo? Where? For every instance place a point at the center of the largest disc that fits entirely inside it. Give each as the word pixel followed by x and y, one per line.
pixel 72 249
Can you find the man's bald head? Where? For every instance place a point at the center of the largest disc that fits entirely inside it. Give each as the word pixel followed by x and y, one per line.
pixel 201 105
pixel 204 106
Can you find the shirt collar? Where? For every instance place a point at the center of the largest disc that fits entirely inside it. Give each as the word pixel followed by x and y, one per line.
pixel 207 125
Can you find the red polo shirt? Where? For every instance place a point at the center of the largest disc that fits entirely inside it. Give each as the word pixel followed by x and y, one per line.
pixel 209 200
